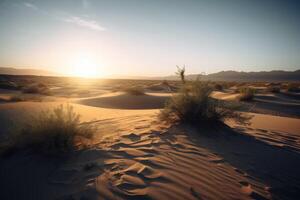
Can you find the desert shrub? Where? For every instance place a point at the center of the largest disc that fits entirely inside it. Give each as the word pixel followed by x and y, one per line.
pixel 16 98
pixel 273 89
pixel 218 87
pixel 157 87
pixel 51 132
pixel 165 82
pixel 135 91
pixel 194 105
pixel 9 85
pixel 36 89
pixel 246 93
pixel 42 85
pixel 293 87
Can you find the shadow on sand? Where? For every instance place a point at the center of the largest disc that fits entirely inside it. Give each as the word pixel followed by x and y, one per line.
pixel 30 176
pixel 275 166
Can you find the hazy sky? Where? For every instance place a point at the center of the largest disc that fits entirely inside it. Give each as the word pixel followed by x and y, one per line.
pixel 150 37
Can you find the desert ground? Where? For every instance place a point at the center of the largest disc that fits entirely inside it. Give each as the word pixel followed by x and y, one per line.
pixel 136 155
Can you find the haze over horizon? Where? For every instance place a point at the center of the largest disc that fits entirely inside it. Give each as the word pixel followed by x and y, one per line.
pixel 149 38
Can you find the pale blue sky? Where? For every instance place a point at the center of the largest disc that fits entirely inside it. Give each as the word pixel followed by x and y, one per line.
pixel 150 37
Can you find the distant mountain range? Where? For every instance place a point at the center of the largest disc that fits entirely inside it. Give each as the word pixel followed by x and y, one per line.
pixel 276 75
pixel 36 72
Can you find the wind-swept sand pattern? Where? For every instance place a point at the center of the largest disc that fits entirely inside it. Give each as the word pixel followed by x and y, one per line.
pixel 168 164
pixel 137 156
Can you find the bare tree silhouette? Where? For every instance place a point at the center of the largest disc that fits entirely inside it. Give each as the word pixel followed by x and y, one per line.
pixel 181 72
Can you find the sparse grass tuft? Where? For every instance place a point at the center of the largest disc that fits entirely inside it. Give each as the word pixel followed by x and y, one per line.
pixel 293 87
pixel 51 132
pixel 194 105
pixel 16 98
pixel 218 87
pixel 36 89
pixel 135 91
pixel 273 89
pixel 246 93
pixel 9 85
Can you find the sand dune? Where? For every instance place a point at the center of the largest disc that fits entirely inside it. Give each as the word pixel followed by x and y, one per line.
pixel 275 104
pixel 127 101
pixel 279 131
pixel 136 156
pixel 139 158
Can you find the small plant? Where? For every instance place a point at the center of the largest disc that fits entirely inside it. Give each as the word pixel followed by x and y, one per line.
pixel 135 91
pixel 181 73
pixel 246 93
pixel 194 105
pixel 16 98
pixel 9 85
pixel 36 89
pixel 51 132
pixel 293 87
pixel 218 87
pixel 273 89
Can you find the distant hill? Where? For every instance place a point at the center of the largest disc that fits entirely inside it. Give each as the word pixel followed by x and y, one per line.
pixel 278 75
pixel 36 72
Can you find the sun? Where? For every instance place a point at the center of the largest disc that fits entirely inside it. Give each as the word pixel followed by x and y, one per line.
pixel 84 66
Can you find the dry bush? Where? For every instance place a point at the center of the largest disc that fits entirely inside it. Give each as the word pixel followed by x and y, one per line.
pixel 51 132
pixel 246 93
pixel 36 89
pixel 135 91
pixel 293 87
pixel 218 87
pixel 16 98
pixel 194 105
pixel 273 89
pixel 9 85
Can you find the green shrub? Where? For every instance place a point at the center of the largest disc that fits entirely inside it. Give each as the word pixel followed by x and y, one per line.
pixel 194 105
pixel 246 93
pixel 51 132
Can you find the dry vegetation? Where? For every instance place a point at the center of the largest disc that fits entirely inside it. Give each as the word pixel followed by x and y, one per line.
pixel 194 105
pixel 51 132
pixel 273 89
pixel 135 91
pixel 246 93
pixel 8 85
pixel 40 88
pixel 293 87
pixel 218 87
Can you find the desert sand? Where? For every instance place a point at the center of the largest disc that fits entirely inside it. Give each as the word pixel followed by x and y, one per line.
pixel 137 156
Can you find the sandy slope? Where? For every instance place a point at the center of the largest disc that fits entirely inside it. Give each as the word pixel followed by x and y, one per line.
pixel 136 156
pixel 279 131
pixel 274 104
pixel 127 101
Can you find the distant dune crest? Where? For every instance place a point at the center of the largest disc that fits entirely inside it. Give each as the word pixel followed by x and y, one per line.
pixel 36 72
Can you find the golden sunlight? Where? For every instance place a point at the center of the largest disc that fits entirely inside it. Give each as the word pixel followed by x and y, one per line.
pixel 84 66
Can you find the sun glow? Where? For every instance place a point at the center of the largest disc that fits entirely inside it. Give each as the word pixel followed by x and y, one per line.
pixel 84 66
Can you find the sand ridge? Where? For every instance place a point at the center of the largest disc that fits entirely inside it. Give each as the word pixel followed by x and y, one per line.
pixel 137 156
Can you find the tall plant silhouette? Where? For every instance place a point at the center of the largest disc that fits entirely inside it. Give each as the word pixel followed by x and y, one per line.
pixel 181 72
